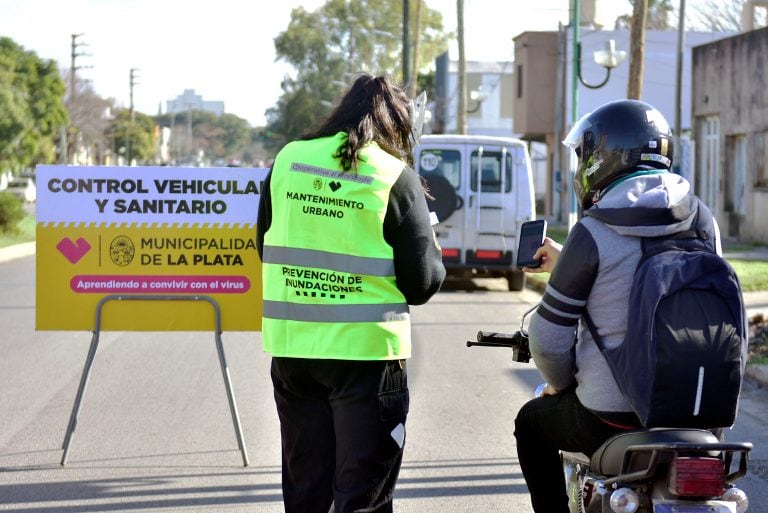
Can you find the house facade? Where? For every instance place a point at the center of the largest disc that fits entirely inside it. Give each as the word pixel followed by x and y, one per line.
pixel 548 100
pixel 730 112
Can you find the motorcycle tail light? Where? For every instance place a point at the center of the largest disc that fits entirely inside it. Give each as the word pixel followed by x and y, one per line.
pixel 697 477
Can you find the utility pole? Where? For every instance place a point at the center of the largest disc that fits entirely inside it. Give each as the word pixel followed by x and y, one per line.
pixel 73 67
pixel 575 24
pixel 132 82
pixel 190 139
pixel 406 43
pixel 461 109
pixel 573 209
pixel 637 50
pixel 679 84
pixel 129 133
pixel 416 40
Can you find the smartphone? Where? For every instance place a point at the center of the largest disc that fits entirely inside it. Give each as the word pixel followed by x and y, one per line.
pixel 532 235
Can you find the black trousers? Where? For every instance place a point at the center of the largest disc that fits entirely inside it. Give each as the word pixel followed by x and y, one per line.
pixel 543 427
pixel 342 425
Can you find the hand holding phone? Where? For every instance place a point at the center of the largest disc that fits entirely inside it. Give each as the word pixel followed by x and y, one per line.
pixel 532 235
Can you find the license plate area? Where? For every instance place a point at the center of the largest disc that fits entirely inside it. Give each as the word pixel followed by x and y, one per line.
pixel 701 507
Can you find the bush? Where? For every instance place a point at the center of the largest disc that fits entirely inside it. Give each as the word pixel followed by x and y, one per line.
pixel 11 213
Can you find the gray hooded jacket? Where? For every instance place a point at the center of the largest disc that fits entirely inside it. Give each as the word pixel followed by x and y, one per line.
pixel 594 272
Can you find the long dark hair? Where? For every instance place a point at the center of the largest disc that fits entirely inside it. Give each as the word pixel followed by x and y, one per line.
pixel 374 109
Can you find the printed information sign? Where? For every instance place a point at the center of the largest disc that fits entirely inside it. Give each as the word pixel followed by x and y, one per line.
pixel 149 231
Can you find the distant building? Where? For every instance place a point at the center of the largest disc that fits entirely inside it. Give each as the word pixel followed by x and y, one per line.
pixel 191 101
pixel 543 99
pixel 490 102
pixel 730 125
pixel 489 96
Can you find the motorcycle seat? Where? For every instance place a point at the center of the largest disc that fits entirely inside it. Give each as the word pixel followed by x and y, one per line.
pixel 608 459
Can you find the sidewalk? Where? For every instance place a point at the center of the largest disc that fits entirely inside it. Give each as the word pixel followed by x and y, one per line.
pixel 756 253
pixel 17 251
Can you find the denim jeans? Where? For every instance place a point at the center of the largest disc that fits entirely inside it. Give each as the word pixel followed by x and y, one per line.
pixel 543 427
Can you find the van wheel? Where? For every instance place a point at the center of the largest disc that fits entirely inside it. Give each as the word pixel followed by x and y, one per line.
pixel 516 280
pixel 445 202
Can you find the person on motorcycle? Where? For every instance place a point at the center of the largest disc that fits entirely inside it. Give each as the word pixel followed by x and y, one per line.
pixel 624 150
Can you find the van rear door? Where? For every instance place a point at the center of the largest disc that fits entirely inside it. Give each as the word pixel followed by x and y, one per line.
pixel 490 224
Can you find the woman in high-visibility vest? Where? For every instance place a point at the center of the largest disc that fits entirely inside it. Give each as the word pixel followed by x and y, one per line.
pixel 346 243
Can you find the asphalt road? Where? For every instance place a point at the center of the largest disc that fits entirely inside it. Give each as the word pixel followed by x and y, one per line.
pixel 155 432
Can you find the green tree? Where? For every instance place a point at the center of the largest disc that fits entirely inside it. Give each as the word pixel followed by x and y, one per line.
pixel 300 106
pixel 11 213
pixel 31 107
pixel 328 46
pixel 220 137
pixel 223 137
pixel 133 139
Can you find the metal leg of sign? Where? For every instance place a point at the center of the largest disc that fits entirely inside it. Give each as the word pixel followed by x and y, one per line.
pixel 80 392
pixel 92 354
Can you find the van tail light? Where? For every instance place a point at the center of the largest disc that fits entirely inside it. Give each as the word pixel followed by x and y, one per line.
pixel 485 254
pixel 450 252
pixel 697 477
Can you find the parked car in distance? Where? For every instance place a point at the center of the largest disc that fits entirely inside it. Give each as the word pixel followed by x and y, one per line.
pixel 23 188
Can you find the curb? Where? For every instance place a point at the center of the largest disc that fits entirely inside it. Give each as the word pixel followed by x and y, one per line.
pixel 17 251
pixel 757 374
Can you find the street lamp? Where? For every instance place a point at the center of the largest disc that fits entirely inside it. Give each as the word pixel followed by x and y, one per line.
pixel 608 58
pixel 478 96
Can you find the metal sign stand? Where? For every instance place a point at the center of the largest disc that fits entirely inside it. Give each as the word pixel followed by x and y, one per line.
pixel 92 353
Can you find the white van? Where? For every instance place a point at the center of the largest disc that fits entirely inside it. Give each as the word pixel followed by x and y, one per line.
pixel 478 226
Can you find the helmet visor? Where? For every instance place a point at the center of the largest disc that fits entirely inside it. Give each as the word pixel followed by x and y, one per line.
pixel 576 134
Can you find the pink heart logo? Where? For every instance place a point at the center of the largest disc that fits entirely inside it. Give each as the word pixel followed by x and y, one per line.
pixel 73 251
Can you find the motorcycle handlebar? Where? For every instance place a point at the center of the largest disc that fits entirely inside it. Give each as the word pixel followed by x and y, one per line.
pixel 471 343
pixel 518 341
pixel 494 339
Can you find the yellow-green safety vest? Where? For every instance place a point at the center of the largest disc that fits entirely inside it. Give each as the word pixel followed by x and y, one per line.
pixel 328 274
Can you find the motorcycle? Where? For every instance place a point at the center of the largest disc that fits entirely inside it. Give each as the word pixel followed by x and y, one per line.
pixel 657 470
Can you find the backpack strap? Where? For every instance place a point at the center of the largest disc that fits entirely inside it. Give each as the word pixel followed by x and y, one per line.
pixel 696 237
pixel 699 237
pixel 593 330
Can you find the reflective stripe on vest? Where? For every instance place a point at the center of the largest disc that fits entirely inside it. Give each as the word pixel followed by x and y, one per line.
pixel 332 313
pixel 328 260
pixel 328 274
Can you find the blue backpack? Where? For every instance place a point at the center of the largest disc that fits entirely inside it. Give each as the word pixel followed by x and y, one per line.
pixel 682 360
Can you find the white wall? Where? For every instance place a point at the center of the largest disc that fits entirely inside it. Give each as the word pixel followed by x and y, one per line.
pixel 659 70
pixel 489 121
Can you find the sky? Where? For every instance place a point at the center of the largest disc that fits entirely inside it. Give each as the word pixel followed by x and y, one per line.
pixel 224 49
